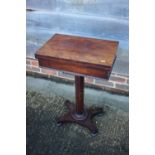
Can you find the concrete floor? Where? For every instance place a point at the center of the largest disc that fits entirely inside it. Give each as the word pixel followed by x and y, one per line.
pixel 45 102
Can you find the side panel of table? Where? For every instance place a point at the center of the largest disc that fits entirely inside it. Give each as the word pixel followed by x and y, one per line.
pixel 75 67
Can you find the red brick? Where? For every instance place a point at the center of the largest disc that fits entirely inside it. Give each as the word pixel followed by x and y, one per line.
pixel 34 63
pixel 117 79
pixel 48 71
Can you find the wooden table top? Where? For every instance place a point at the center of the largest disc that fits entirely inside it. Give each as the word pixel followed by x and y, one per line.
pixel 78 54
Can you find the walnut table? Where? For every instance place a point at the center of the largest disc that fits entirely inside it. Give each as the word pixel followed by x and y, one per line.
pixel 80 56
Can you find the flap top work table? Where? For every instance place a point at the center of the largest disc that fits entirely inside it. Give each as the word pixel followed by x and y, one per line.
pixel 81 56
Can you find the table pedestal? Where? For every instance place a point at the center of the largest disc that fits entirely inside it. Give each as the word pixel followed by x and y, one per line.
pixel 77 113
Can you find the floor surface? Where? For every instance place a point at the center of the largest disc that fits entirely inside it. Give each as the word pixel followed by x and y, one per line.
pixel 45 102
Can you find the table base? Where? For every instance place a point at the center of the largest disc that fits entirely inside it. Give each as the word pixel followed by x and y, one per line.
pixel 83 119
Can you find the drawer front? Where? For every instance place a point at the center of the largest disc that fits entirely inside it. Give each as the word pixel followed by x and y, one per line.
pixel 75 67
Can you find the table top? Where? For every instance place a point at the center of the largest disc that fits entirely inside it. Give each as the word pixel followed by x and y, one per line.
pixel 78 51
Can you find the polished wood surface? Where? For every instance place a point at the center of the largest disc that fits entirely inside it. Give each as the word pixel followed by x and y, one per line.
pixel 85 119
pixel 79 90
pixel 86 56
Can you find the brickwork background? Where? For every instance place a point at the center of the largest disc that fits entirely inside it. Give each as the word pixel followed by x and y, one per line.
pixel 117 83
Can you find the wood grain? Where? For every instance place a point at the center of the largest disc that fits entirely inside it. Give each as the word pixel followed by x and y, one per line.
pixel 87 56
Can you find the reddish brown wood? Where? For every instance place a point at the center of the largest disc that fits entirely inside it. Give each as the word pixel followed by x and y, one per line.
pixel 84 56
pixel 75 67
pixel 79 89
pixel 87 56
pixel 84 119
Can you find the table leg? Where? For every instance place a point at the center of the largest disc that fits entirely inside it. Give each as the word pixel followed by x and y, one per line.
pixel 79 90
pixel 77 113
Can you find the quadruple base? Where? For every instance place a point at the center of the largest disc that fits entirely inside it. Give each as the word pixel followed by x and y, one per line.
pixel 84 119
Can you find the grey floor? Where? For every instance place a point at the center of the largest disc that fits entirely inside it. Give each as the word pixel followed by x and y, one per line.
pixel 45 102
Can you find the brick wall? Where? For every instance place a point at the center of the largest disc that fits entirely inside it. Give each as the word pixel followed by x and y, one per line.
pixel 116 84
